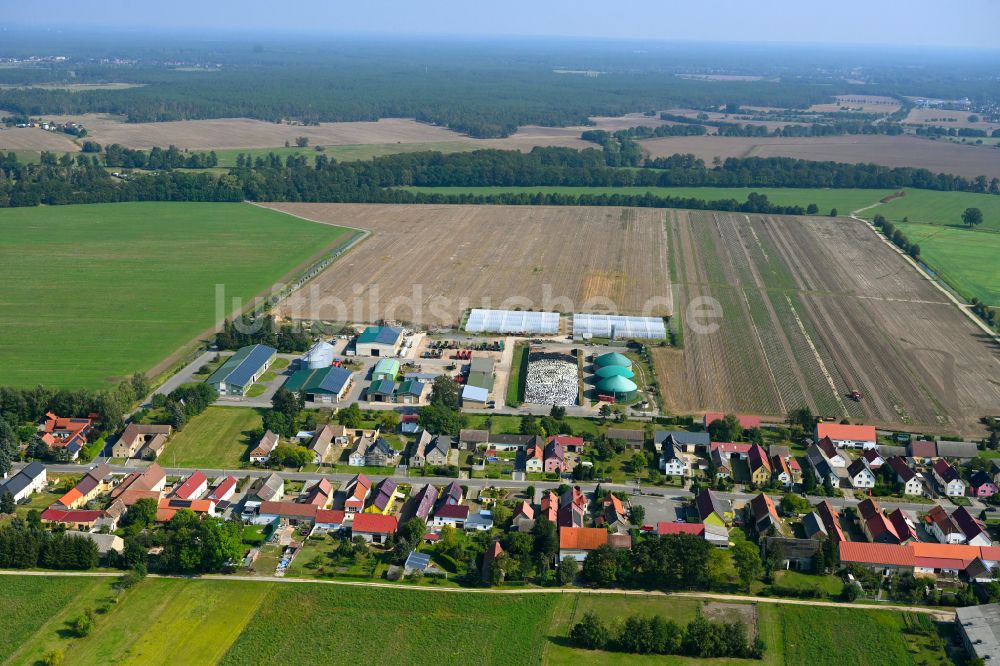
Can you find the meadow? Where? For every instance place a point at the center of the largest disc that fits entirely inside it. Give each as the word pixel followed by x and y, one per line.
pixel 236 622
pixel 94 293
pixel 218 437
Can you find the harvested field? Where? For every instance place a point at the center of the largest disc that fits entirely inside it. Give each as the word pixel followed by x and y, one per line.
pixel 814 308
pixel 947 118
pixel 862 103
pixel 34 138
pixel 893 151
pixel 428 264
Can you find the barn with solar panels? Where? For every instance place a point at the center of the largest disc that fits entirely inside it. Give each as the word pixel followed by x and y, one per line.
pixel 324 385
pixel 242 369
pixel 618 327
pixel 512 321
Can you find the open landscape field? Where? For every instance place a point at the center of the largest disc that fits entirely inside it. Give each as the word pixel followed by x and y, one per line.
pixel 164 621
pixel 33 138
pixel 814 308
pixel 893 151
pixel 431 263
pixel 219 436
pixel 94 293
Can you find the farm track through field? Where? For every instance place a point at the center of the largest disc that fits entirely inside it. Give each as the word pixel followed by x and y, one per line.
pixel 815 308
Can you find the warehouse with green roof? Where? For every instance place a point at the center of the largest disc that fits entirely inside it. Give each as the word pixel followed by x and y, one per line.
pixel 324 385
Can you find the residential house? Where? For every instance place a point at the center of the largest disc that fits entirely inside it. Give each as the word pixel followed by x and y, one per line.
pixel 759 465
pixel 452 515
pixel 329 520
pixel 224 490
pixel 690 442
pixel 147 484
pixel 193 487
pixel 813 526
pixel 384 497
pixel 821 467
pixel 423 502
pixel 861 477
pixel 570 443
pixel 578 542
pixel 831 520
pixel 792 554
pixel 140 440
pixel 325 439
pixel 72 519
pixel 923 451
pixel 982 485
pixel 555 458
pixel 572 508
pixel 489 557
pixel 850 436
pixel 712 509
pixel 948 477
pixel 549 507
pixel 672 459
pixel 361 445
pixel 971 527
pixel 942 527
pixel 723 469
pixel 377 453
pixel 439 451
pixel 905 530
pixel 913 483
pixel 875 524
pixel 782 472
pixel 634 439
pixel 452 494
pixel 356 494
pixel 65 433
pixel 763 514
pixel 418 449
pixel 268 489
pixel 374 527
pixel 505 442
pixel 31 478
pixel 873 459
pixel 318 493
pixel 534 459
pixel 262 452
pixel 524 517
pixel 479 522
pixel 832 453
pixel 95 481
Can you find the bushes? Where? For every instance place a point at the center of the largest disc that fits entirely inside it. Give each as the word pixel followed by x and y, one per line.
pixel 897 237
pixel 701 638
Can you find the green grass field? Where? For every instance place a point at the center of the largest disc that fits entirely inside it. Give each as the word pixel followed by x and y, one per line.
pixel 93 293
pixel 966 259
pixel 219 436
pixel 941 208
pixel 237 622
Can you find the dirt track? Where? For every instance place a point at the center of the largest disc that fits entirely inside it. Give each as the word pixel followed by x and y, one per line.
pixel 813 309
pixel 457 257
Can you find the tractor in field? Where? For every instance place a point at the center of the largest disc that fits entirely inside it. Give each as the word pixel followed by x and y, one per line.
pixel 855 395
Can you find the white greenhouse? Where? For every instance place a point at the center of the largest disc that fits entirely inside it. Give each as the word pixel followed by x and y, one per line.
pixel 512 321
pixel 618 327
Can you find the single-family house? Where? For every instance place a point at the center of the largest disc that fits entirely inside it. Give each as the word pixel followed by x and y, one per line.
pixel 268 489
pixel 452 494
pixel 374 527
pixel 613 516
pixel 690 442
pixel 859 474
pixel 672 459
pixel 831 520
pixel 381 454
pixel 262 452
pixel 721 461
pixel 524 517
pixel 422 503
pixel 452 515
pixel 534 459
pixel 971 527
pixel 712 509
pixel 832 453
pixel 781 471
pixel 224 490
pixel 873 459
pixel 318 493
pixel 875 524
pixel 948 477
pixel 942 527
pixel 192 488
pixel 905 530
pixel 982 485
pixel 549 507
pixel 555 458
pixel 95 481
pixel 439 451
pixel 763 514
pixel 418 449
pixel 147 484
pixel 384 497
pixel 913 483
pixel 759 465
pixel 140 440
pixel 65 433
pixel 821 467
pixel 356 494
pixel 847 436
pixel 31 478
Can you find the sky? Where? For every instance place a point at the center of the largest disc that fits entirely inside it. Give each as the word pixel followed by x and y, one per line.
pixel 951 23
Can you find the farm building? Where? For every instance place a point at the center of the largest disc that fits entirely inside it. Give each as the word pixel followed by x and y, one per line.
pixel 141 440
pixel 382 390
pixel 512 321
pixel 65 433
pixel 379 341
pixel 387 368
pixel 622 389
pixel 411 392
pixel 474 397
pixel 320 355
pixel 30 479
pixel 618 327
pixel 614 371
pixel 242 369
pixel 979 627
pixel 324 385
pixel 842 435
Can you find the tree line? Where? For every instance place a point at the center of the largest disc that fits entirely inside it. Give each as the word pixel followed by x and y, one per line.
pixel 897 237
pixel 247 330
pixel 25 544
pixel 116 155
pixel 700 638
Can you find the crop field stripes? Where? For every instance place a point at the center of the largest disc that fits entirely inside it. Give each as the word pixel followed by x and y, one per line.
pixel 819 359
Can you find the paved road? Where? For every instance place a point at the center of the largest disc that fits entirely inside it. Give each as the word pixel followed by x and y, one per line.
pixel 938 613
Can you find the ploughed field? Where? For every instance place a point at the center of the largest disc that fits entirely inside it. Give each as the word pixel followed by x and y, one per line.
pixel 813 308
pixel 429 264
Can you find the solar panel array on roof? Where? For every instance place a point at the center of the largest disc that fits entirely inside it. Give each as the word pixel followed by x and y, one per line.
pixel 512 321
pixel 618 326
pixel 243 365
pixel 335 380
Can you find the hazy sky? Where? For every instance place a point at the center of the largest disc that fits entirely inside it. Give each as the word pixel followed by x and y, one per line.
pixel 971 23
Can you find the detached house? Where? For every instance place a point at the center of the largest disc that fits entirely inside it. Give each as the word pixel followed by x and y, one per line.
pixel 759 465
pixel 948 477
pixel 30 479
pixel 193 487
pixel 549 507
pixel 555 458
pixel 875 524
pixel 942 527
pixel 451 515
pixel 971 527
pixel 423 502
pixel 712 509
pixel 821 467
pixel 913 483
pixel 832 453
pixel 534 459
pixel 763 514
pixel 782 471
pixel 262 452
pixel 356 494
pixel 65 433
pixel 849 436
pixel 860 475
pixel 614 516
pixel 831 520
pixel 524 517
pixel 385 495
pixel 672 459
pixel 572 508
pixel 982 485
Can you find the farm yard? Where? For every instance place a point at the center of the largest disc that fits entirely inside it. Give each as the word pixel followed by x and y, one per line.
pixel 812 309
pixel 433 262
pixel 893 151
pixel 136 282
pixel 250 622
